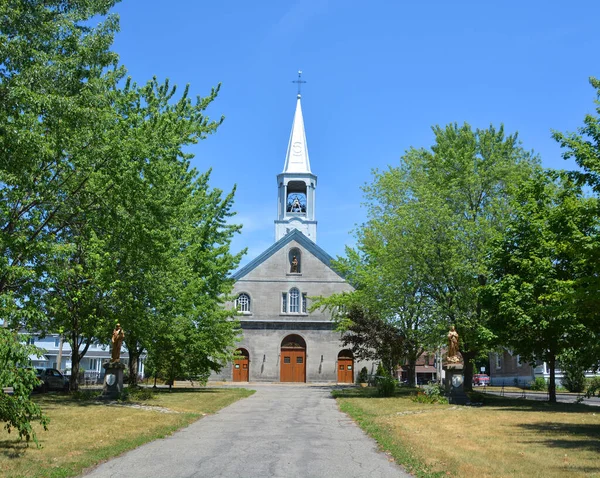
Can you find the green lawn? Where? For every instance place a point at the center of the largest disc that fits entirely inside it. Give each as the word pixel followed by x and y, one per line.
pixel 83 433
pixel 504 438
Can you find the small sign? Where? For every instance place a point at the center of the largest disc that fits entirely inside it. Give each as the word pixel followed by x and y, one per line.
pixel 482 369
pixel 111 379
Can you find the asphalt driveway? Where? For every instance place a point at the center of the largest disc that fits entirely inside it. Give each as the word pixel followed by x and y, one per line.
pixel 280 431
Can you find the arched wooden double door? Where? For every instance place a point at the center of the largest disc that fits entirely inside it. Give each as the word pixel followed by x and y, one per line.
pixel 293 359
pixel 345 367
pixel 241 366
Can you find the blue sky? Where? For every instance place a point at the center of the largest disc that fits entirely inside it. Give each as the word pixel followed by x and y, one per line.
pixel 379 75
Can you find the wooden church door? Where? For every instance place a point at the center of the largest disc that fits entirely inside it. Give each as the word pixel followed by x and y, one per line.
pixel 345 367
pixel 293 359
pixel 241 367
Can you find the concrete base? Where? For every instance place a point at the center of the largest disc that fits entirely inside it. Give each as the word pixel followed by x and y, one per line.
pixel 455 383
pixel 113 379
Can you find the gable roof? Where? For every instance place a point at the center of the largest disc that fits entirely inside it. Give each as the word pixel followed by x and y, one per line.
pixel 294 235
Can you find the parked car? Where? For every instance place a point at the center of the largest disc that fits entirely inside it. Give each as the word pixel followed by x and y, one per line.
pixel 480 379
pixel 51 379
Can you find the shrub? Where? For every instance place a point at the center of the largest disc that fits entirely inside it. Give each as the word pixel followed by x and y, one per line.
pixel 363 376
pixel 592 387
pixel 432 393
pixel 136 394
pixel 381 372
pixel 386 386
pixel 574 378
pixel 539 384
pixel 18 411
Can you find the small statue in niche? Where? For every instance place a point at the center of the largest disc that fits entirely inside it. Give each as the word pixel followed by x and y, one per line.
pixel 294 266
pixel 296 207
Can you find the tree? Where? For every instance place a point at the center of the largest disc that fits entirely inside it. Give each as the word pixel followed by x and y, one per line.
pixel 18 411
pixel 163 211
pixel 387 317
pixel 584 147
pixel 195 333
pixel 535 266
pixel 372 338
pixel 454 201
pixel 57 79
pixel 431 224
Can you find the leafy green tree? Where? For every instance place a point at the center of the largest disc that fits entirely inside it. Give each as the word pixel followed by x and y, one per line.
pixel 74 295
pixel 584 147
pixel 387 317
pixel 18 411
pixel 422 255
pixel 195 334
pixel 169 234
pixel 535 266
pixel 56 89
pixel 451 203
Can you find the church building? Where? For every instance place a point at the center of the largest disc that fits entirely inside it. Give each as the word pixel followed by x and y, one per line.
pixel 282 341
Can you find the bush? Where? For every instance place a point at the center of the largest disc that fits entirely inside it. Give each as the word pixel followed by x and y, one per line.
pixel 386 386
pixel 432 393
pixel 136 394
pixel 574 378
pixel 363 376
pixel 592 387
pixel 539 384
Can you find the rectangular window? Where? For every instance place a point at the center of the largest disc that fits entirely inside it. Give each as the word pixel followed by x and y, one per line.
pixel 341 367
pixel 31 341
pixel 299 360
pixel 57 342
pixel 519 361
pixel 294 297
pixel 498 361
pixel 286 360
pixel 304 302
pixel 284 302
pixel 349 367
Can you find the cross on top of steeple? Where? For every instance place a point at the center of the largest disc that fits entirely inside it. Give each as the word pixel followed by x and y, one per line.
pixel 299 81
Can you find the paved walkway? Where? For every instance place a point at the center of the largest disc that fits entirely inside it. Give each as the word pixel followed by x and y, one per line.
pixel 280 431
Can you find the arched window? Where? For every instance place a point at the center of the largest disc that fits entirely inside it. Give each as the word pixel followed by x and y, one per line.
pixel 294 297
pixel 242 303
pixel 295 258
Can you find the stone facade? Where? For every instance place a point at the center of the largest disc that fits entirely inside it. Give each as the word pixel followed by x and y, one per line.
pixel 265 326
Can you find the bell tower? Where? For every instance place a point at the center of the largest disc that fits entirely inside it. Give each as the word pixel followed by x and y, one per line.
pixel 296 184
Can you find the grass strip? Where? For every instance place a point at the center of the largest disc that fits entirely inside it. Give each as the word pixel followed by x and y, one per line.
pixel 506 437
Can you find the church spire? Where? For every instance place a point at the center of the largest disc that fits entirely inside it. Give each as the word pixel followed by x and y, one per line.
pixel 296 184
pixel 296 159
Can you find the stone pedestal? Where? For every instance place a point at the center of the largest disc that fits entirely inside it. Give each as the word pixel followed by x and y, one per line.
pixel 113 379
pixel 455 383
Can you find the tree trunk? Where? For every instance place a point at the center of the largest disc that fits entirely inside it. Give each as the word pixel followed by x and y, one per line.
pixel 60 352
pixel 134 356
pixel 412 372
pixel 73 383
pixel 468 370
pixel 552 384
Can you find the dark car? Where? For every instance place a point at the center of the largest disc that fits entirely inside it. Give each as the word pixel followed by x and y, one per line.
pixel 51 379
pixel 481 379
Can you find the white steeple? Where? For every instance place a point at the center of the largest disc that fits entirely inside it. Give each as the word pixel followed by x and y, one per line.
pixel 296 159
pixel 296 184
